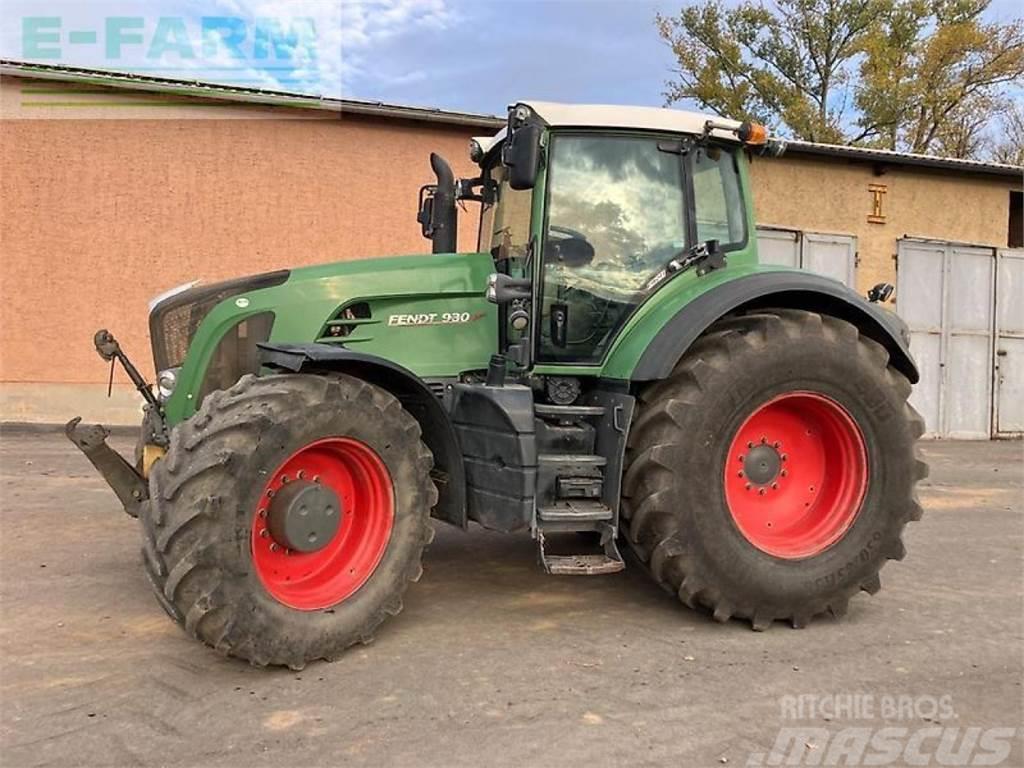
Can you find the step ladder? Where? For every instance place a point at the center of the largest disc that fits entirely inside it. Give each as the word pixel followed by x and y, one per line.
pixel 609 560
pixel 571 489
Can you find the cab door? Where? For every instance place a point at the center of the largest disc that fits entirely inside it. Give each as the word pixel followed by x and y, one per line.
pixel 619 208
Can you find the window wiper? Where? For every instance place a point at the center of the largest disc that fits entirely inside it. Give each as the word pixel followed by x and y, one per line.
pixel 706 256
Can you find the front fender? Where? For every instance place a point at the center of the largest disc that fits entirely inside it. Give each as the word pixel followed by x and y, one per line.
pixel 772 288
pixel 437 432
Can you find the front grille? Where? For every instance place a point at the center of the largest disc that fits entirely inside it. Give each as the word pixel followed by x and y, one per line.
pixel 236 353
pixel 174 322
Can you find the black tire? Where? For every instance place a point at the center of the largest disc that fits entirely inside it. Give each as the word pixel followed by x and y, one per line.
pixel 675 514
pixel 203 496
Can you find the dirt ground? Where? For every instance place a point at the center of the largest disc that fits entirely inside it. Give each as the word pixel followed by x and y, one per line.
pixel 492 662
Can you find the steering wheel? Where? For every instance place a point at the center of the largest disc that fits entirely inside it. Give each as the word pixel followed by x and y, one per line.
pixel 573 233
pixel 571 247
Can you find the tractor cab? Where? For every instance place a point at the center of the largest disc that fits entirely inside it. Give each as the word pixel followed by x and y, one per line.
pixel 587 211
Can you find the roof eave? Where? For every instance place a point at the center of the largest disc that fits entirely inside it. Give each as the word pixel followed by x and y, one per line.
pixel 262 97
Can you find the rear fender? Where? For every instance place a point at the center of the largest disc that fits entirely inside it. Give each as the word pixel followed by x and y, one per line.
pixel 781 290
pixel 438 434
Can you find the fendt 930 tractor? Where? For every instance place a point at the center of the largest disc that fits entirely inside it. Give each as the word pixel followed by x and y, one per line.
pixel 610 362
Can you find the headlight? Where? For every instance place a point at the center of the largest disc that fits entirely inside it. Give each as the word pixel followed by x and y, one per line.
pixel 166 381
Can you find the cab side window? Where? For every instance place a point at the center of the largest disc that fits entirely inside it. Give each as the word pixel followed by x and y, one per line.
pixel 718 201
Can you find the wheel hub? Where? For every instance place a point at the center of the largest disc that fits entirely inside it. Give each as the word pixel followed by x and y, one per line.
pixel 347 493
pixel 304 516
pixel 762 464
pixel 801 475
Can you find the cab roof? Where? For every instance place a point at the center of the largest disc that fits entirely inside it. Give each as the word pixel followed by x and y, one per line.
pixel 615 117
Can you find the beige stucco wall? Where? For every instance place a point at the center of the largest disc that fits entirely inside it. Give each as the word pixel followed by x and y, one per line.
pixel 832 196
pixel 102 206
pixel 102 211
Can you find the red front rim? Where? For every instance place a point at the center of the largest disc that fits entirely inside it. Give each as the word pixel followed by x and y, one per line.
pixel 321 579
pixel 796 474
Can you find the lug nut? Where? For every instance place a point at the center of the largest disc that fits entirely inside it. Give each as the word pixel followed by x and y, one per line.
pixel 300 474
pixel 763 439
pixel 263 513
pixel 776 444
pixel 316 478
pixel 270 492
pixel 783 473
pixel 775 486
pixel 284 479
pixel 740 473
pixel 750 444
pixel 784 457
pixel 761 492
pixel 748 486
pixel 264 533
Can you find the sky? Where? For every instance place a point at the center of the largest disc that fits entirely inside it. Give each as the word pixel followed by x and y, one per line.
pixel 470 55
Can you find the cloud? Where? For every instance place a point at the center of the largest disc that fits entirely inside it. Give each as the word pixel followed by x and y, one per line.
pixel 367 26
pixel 348 36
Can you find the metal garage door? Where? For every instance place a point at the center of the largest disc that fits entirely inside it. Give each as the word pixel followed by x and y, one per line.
pixel 778 246
pixel 1009 374
pixel 945 292
pixel 832 255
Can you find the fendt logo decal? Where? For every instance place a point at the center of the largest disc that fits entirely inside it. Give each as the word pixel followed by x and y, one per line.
pixel 435 318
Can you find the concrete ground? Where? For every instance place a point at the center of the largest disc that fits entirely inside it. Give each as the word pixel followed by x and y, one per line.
pixel 493 663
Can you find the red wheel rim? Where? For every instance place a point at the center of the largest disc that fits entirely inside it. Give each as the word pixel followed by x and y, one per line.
pixel 310 581
pixel 796 474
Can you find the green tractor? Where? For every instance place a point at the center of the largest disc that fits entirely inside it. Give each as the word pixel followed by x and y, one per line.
pixel 611 362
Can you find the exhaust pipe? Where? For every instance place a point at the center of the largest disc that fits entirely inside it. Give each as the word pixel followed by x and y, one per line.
pixel 443 214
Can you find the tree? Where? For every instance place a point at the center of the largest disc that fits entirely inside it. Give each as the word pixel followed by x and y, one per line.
pixel 912 75
pixel 1007 144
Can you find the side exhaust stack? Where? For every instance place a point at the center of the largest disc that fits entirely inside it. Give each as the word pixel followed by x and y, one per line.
pixel 438 216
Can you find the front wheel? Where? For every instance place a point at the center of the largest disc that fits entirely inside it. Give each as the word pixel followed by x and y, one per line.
pixel 772 474
pixel 289 516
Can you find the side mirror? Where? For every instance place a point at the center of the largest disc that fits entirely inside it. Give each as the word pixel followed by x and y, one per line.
pixel 522 157
pixel 425 215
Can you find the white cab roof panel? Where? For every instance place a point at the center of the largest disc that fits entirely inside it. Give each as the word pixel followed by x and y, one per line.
pixel 616 117
pixel 628 118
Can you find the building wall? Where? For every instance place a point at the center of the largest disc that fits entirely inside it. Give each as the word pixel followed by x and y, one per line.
pixel 101 212
pixel 833 196
pixel 106 204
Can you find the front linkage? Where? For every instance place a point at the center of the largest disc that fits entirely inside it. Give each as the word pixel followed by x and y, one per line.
pixel 128 482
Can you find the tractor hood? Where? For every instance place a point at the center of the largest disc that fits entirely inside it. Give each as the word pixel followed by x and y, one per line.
pixel 426 312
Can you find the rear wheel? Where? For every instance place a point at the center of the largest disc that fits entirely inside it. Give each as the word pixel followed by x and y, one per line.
pixel 772 474
pixel 289 516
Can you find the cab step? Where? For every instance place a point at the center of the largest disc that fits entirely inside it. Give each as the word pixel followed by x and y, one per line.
pixel 574 511
pixel 589 564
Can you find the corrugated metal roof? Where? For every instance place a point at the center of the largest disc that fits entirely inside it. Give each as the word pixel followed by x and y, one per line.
pixel 262 96
pixel 888 157
pixel 207 90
